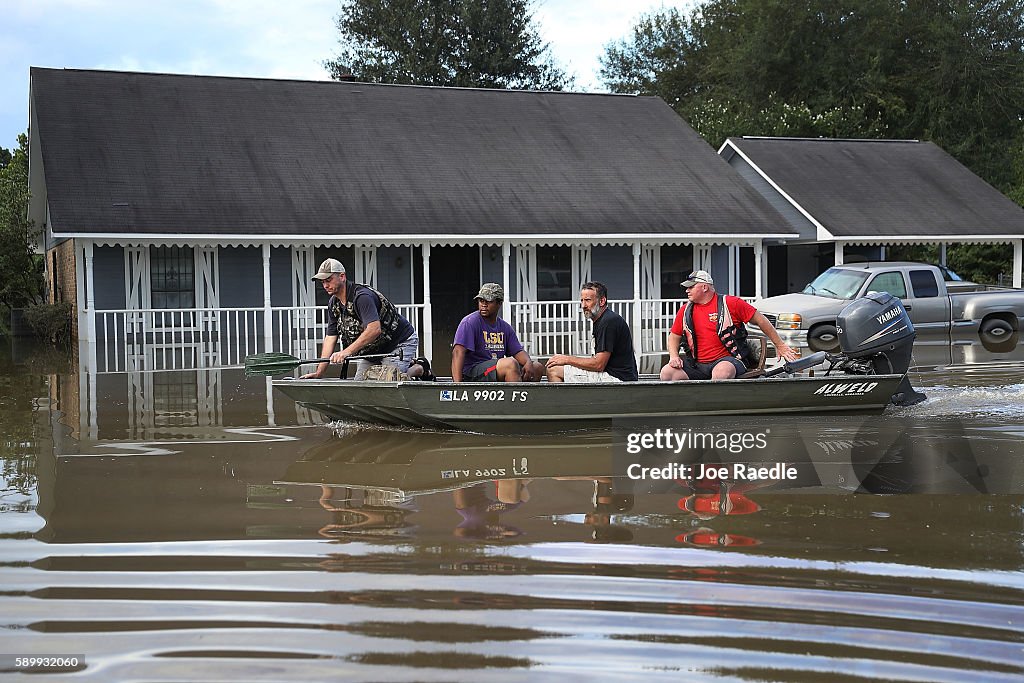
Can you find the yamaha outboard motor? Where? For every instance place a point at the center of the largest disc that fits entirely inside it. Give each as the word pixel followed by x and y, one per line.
pixel 877 337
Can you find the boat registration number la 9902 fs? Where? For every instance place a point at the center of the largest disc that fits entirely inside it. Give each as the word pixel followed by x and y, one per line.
pixel 515 395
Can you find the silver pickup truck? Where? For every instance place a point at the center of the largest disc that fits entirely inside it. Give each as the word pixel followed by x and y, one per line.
pixel 933 296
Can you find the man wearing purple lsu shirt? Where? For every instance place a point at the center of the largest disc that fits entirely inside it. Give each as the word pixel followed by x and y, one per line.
pixel 486 347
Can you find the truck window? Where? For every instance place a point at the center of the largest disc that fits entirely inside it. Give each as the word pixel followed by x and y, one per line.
pixel 891 282
pixel 838 283
pixel 923 283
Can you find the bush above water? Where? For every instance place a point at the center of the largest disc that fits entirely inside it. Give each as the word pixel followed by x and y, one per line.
pixel 51 322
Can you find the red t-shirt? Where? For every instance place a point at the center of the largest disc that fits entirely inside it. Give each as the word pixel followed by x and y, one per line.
pixel 705 325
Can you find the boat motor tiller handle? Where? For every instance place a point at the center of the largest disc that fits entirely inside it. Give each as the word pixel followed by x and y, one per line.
pixel 794 366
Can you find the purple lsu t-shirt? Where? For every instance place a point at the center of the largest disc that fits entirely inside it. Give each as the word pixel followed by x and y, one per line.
pixel 484 342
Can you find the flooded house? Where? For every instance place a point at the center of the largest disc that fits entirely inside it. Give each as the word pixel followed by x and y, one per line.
pixel 851 199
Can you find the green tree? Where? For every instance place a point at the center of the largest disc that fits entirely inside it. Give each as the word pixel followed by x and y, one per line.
pixel 759 67
pixel 659 59
pixel 21 281
pixel 463 43
pixel 949 71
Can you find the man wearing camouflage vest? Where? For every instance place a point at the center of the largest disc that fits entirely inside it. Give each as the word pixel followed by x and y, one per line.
pixel 365 320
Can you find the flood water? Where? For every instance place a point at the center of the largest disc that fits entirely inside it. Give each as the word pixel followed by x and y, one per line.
pixel 196 526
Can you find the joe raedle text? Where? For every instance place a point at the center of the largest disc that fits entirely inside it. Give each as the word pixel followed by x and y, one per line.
pixel 734 471
pixel 686 453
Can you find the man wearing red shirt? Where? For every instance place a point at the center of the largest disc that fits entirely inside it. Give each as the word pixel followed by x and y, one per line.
pixel 712 334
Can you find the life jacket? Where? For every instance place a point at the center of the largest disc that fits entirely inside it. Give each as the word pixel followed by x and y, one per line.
pixel 733 336
pixel 350 326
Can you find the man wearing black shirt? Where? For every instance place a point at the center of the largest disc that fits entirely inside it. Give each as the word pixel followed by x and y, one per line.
pixel 613 359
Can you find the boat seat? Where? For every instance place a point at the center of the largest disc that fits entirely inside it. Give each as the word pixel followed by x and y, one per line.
pixel 760 348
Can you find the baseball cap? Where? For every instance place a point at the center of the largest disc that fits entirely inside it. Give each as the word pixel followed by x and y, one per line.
pixel 698 276
pixel 329 268
pixel 491 291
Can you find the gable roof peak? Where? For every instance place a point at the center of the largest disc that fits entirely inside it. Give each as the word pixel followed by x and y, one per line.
pixel 325 82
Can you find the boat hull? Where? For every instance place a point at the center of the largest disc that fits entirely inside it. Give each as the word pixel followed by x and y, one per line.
pixel 497 408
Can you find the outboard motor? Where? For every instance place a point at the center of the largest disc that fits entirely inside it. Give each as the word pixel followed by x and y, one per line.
pixel 877 337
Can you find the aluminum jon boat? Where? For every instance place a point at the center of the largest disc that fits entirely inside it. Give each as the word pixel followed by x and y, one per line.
pixel 549 407
pixel 870 374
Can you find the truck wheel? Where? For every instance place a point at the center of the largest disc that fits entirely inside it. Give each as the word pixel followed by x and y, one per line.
pixel 823 338
pixel 998 336
pixel 995 329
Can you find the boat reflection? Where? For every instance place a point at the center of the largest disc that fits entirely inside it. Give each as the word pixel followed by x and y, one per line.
pixel 486 478
pixel 416 463
pixel 494 484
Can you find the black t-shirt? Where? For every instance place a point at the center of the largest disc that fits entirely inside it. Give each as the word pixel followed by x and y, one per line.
pixel 611 333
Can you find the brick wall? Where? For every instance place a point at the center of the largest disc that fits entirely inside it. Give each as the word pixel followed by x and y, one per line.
pixel 61 283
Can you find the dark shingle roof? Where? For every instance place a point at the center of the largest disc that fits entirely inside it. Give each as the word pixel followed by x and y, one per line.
pixel 879 188
pixel 157 153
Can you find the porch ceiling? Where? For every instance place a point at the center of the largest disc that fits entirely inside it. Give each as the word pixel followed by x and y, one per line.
pixel 436 240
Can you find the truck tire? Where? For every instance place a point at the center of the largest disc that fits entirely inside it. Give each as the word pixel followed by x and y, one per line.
pixel 998 336
pixel 995 329
pixel 823 338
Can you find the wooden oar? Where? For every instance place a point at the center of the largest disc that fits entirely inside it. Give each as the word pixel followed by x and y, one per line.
pixel 263 364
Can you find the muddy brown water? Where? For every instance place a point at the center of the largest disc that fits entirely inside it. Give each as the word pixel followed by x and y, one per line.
pixel 195 526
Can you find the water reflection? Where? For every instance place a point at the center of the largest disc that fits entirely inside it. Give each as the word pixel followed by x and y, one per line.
pixel 935 350
pixel 170 525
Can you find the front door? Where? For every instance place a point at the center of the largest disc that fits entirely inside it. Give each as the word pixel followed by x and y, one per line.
pixel 454 281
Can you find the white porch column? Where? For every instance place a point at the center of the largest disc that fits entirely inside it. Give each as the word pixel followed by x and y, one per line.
pixel 1018 261
pixel 412 278
pixel 636 321
pixel 271 418
pixel 734 255
pixel 268 322
pixel 506 253
pixel 90 301
pixel 759 269
pixel 942 253
pixel 427 334
pixel 839 253
pixel 83 313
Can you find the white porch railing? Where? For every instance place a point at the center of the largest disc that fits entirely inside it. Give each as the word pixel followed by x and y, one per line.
pixel 550 327
pixel 300 331
pixel 158 339
pixel 140 340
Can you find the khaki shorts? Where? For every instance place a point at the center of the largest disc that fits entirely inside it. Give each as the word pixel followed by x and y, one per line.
pixel 574 375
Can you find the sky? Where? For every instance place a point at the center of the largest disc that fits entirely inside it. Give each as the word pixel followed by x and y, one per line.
pixel 258 38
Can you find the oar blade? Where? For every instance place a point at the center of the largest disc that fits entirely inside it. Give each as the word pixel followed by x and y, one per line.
pixel 264 364
pixel 269 369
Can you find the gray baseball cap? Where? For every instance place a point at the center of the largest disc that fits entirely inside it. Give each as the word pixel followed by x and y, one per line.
pixel 698 276
pixel 329 268
pixel 491 291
